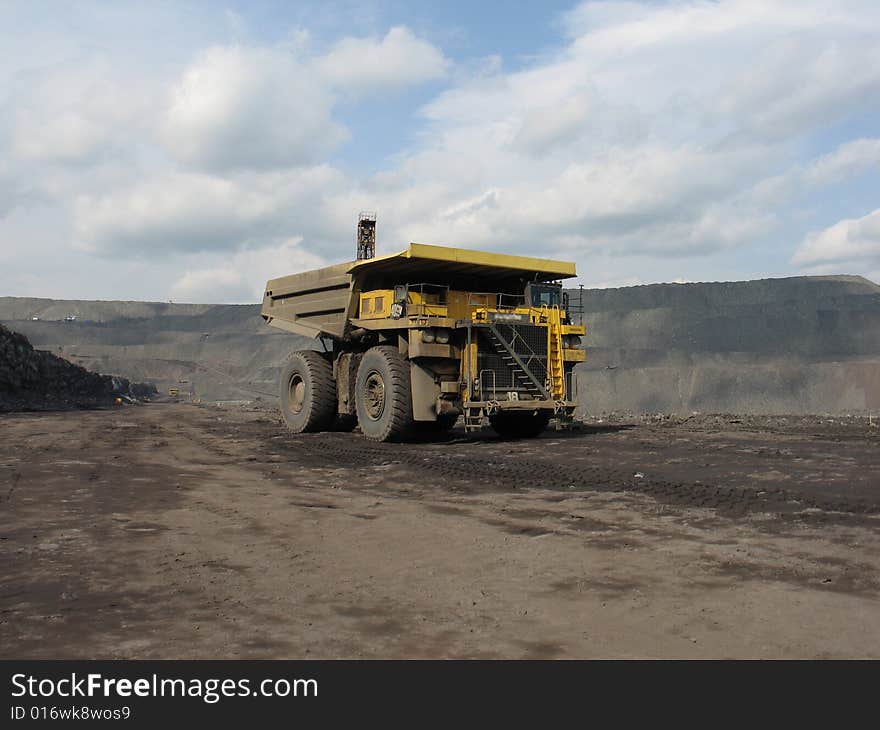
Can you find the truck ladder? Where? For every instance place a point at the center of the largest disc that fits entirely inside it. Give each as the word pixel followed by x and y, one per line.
pixel 473 419
pixel 555 362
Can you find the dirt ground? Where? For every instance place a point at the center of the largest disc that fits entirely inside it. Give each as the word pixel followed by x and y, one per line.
pixel 176 531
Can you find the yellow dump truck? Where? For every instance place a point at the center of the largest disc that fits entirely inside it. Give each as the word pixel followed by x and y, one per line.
pixel 412 341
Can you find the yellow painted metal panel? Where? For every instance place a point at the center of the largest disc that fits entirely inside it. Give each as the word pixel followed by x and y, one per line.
pixel 376 304
pixel 573 329
pixel 471 257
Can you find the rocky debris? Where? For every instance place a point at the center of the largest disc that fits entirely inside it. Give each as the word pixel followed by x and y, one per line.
pixel 833 427
pixel 38 380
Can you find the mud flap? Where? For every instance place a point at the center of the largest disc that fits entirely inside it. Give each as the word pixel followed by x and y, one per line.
pixel 345 371
pixel 425 392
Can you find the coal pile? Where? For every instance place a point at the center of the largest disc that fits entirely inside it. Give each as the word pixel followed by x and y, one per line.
pixel 38 380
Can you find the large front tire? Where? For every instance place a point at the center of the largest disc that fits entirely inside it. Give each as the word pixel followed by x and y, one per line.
pixel 383 395
pixel 308 392
pixel 519 424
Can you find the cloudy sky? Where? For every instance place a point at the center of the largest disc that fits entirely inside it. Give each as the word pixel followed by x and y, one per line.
pixel 191 150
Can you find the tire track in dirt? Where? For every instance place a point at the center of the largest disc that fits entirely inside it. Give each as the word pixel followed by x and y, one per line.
pixel 498 471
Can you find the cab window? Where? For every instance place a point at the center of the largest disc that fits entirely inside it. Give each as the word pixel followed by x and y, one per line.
pixel 545 296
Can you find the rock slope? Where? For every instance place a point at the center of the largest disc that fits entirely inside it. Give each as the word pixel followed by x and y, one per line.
pixel 773 346
pixel 37 380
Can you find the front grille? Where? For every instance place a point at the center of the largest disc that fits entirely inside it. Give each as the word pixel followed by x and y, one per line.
pixel 529 342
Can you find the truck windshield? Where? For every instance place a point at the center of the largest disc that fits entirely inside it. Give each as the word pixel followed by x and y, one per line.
pixel 549 296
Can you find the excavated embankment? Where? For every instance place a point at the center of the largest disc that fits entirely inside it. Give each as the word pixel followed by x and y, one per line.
pixel 797 345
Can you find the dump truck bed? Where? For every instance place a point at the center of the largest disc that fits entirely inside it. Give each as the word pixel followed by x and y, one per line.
pixel 320 302
pixel 312 303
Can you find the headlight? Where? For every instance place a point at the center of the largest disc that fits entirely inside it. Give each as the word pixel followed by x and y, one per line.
pixel 428 335
pixel 442 336
pixel 571 342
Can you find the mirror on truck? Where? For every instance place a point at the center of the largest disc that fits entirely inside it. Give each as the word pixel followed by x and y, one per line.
pixel 398 307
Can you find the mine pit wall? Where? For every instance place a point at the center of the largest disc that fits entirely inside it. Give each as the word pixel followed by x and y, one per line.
pixel 799 345
pixel 715 386
pixel 224 352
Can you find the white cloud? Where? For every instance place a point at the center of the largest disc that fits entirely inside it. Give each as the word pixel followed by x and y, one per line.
pixel 249 108
pixel 77 115
pixel 673 129
pixel 850 158
pixel 242 277
pixel 612 28
pixel 662 139
pixel 8 191
pixel 366 64
pixel 791 85
pixel 66 137
pixel 848 241
pixel 629 194
pixel 545 127
pixel 198 212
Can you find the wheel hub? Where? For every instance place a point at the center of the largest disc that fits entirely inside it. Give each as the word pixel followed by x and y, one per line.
pixel 296 393
pixel 374 392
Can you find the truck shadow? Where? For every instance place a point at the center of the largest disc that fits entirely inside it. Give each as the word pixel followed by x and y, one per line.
pixel 458 434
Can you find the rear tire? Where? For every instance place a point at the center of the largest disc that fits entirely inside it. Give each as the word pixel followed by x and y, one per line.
pixel 519 425
pixel 308 392
pixel 383 395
